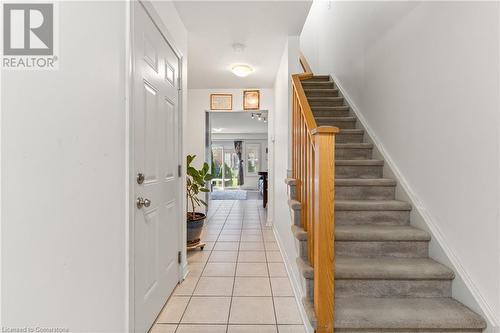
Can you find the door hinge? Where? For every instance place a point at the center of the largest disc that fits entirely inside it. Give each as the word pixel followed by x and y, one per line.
pixel 179 257
pixel 179 170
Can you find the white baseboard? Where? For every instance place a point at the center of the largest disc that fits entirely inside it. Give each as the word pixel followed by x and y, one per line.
pixel 184 270
pixel 423 218
pixel 296 285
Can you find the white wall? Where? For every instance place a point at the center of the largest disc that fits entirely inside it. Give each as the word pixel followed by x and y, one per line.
pixel 282 152
pixel 63 179
pixel 64 149
pixel 425 77
pixel 199 102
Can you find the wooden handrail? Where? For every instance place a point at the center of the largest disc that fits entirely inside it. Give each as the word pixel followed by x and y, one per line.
pixel 313 167
pixel 304 64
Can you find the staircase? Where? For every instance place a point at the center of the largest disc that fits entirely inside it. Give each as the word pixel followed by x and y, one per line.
pixel 384 278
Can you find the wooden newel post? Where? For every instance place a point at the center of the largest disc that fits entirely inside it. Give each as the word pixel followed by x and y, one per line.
pixel 324 226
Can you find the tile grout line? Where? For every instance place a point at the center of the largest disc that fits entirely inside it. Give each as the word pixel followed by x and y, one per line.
pixel 247 218
pixel 201 274
pixel 269 275
pixel 234 279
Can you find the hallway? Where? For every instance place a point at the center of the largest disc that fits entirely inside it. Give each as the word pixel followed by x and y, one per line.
pixel 238 284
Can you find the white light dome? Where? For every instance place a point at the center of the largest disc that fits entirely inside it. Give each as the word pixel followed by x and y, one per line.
pixel 242 70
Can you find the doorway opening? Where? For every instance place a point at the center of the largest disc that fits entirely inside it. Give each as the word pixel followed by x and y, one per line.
pixel 237 151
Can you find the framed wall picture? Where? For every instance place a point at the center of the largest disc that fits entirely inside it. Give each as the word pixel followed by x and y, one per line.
pixel 251 99
pixel 221 102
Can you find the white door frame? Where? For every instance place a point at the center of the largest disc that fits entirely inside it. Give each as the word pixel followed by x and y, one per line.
pixel 130 192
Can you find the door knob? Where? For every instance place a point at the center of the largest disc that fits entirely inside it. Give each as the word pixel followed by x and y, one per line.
pixel 141 202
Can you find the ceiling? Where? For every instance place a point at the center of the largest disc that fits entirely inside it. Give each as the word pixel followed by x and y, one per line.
pixel 262 26
pixel 237 122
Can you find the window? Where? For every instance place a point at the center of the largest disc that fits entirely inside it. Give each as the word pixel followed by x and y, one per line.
pixel 253 158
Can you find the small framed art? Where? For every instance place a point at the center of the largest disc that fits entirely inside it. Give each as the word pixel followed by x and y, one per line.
pixel 251 99
pixel 221 102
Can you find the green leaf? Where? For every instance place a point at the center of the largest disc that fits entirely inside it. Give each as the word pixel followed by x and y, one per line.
pixel 204 189
pixel 208 177
pixel 190 159
pixel 205 168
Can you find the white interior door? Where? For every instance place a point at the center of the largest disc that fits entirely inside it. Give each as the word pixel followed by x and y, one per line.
pixel 156 141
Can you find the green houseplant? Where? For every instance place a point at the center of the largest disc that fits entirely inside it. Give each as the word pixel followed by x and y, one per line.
pixel 195 183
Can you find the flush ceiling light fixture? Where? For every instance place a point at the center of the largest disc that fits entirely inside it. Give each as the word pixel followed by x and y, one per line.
pixel 242 70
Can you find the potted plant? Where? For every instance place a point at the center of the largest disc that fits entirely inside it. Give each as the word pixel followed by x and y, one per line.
pixel 195 183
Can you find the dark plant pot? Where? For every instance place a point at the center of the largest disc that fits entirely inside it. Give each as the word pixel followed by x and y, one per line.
pixel 194 228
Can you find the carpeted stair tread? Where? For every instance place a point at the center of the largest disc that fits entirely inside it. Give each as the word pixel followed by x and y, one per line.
pixel 352 131
pixel 318 85
pixel 305 269
pixel 299 233
pixel 380 233
pixel 384 268
pixel 316 78
pixel 365 182
pixel 330 108
pixel 316 90
pixel 294 204
pixel 371 205
pixel 355 145
pixel 334 119
pixel 359 162
pixel 404 314
pixel 327 84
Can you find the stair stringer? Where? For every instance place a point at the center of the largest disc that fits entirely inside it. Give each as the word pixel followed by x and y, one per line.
pixel 464 288
pixel 306 284
pixel 299 283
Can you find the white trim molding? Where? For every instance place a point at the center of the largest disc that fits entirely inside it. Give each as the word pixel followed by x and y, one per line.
pixel 296 285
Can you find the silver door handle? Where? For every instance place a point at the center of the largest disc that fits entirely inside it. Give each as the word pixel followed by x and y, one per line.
pixel 141 202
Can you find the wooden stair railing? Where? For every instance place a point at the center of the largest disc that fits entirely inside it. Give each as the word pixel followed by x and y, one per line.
pixel 313 167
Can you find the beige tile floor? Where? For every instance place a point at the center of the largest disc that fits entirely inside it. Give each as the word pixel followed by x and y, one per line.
pixel 238 284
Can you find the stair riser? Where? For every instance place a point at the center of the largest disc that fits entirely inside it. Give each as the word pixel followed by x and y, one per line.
pixel 382 249
pixel 359 171
pixel 303 250
pixel 319 78
pixel 342 124
pixel 327 102
pixel 353 153
pixel 309 289
pixel 348 138
pixel 330 113
pixel 292 192
pixel 318 85
pixel 392 288
pixel 365 192
pixel 295 217
pixel 322 93
pixel 384 217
